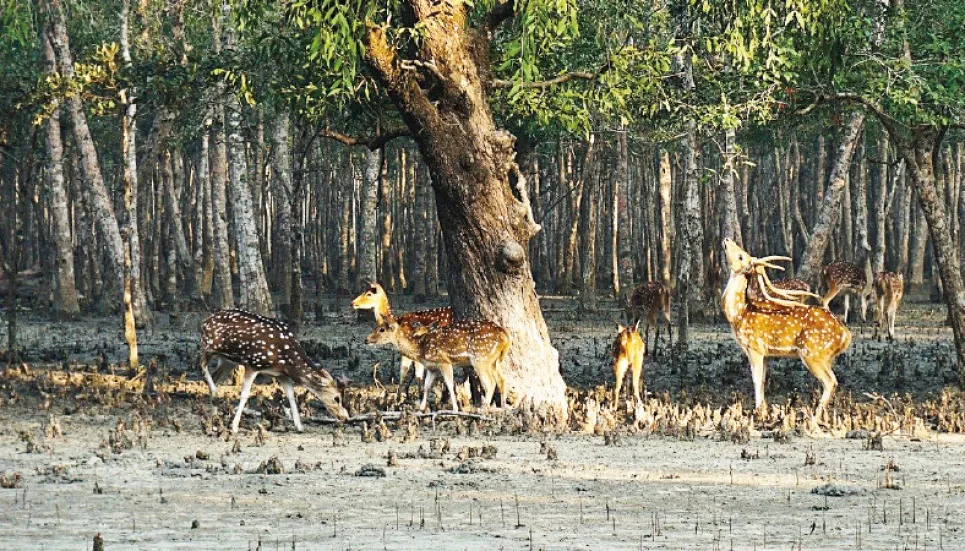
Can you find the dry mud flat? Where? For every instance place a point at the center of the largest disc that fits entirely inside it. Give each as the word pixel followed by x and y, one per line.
pixel 646 492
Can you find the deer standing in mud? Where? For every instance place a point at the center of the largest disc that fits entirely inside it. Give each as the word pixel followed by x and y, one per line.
pixel 628 352
pixel 483 345
pixel 889 287
pixel 649 299
pixel 268 347
pixel 780 326
pixel 374 298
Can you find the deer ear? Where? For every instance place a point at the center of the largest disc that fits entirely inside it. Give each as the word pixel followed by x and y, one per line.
pixel 620 327
pixel 419 331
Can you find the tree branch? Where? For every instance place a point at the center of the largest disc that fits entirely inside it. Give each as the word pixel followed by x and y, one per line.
pixel 565 77
pixel 371 142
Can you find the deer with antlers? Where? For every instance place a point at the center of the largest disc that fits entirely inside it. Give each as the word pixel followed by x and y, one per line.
pixel 479 344
pixel 264 346
pixel 850 279
pixel 650 298
pixel 628 352
pixel 889 287
pixel 779 325
pixel 374 298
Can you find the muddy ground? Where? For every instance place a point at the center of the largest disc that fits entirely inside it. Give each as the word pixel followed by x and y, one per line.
pixel 87 453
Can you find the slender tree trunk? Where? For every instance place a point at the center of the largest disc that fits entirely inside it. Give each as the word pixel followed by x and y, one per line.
pixel 99 199
pixel 370 209
pixel 690 241
pixel 919 152
pixel 254 295
pixel 821 235
pixel 589 216
pixel 882 205
pixel 281 164
pixel 180 242
pixel 128 225
pixel 207 220
pixel 65 298
pixel 666 216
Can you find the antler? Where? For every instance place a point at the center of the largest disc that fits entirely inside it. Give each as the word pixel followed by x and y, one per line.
pixel 786 293
pixel 766 261
pixel 761 279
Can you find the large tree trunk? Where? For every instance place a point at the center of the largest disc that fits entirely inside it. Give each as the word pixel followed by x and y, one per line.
pixel 65 292
pixel 370 211
pixel 98 198
pixel 690 239
pixel 821 235
pixel 486 229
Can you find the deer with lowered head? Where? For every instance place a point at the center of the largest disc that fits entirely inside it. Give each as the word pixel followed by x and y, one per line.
pixel 779 325
pixel 845 277
pixel 483 345
pixel 264 346
pixel 374 298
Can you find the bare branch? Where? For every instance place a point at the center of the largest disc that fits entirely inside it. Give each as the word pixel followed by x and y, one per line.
pixel 565 77
pixel 371 142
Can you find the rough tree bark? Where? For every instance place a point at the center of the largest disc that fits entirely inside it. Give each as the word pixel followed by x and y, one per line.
pixel 821 235
pixel 486 229
pixel 65 292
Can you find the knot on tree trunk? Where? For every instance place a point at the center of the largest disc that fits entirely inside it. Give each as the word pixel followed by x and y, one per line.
pixel 512 256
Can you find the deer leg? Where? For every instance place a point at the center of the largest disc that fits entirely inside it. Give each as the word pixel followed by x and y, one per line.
pixel 637 371
pixel 847 306
pixel 205 358
pixel 489 385
pixel 426 387
pixel 449 379
pixel 833 291
pixel 821 368
pixel 405 376
pixel 245 392
pixel 289 387
pixel 892 312
pixel 757 374
pixel 864 308
pixel 619 372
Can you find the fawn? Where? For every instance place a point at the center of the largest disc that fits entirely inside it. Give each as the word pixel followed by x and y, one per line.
pixel 374 298
pixel 264 346
pixel 780 326
pixel 889 287
pixel 650 298
pixel 847 278
pixel 628 352
pixel 480 344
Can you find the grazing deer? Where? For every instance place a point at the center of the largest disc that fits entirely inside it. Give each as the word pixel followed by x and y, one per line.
pixel 480 344
pixel 375 299
pixel 649 298
pixel 847 278
pixel 889 287
pixel 780 326
pixel 264 346
pixel 754 293
pixel 628 351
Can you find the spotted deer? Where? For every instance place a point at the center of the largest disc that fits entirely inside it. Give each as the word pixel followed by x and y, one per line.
pixel 780 326
pixel 479 344
pixel 374 298
pixel 754 293
pixel 850 279
pixel 889 287
pixel 263 346
pixel 650 298
pixel 628 352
